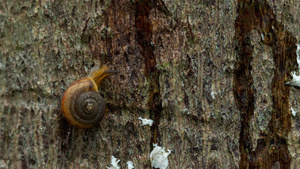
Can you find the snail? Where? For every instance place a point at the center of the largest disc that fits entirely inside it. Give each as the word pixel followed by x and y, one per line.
pixel 82 105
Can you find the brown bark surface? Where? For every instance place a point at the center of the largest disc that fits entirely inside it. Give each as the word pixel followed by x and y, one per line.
pixel 211 74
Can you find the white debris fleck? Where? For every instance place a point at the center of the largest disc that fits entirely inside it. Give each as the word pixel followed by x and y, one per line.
pixel 130 164
pixel 114 163
pixel 146 121
pixel 212 94
pixel 293 112
pixel 159 157
pixel 298 56
pixel 262 36
pixel 295 80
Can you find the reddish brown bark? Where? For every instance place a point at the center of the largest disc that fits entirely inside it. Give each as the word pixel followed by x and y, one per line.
pixel 271 147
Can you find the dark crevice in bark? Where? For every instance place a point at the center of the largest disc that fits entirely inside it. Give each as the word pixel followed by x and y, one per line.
pixel 144 39
pixel 271 147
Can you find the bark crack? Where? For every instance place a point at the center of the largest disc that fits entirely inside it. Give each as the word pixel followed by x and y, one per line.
pixel 144 38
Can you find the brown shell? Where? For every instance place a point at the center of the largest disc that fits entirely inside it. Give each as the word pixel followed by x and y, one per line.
pixel 82 105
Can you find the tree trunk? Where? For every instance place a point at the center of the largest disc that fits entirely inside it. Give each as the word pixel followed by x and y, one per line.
pixel 211 74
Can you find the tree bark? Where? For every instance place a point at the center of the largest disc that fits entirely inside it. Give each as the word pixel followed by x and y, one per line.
pixel 211 74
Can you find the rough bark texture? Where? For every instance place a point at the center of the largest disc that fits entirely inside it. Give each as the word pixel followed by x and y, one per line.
pixel 210 73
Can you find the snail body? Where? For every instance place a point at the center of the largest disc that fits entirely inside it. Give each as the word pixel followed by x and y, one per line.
pixel 82 105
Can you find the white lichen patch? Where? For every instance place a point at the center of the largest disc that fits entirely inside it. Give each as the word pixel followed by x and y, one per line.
pixel 130 165
pixel 294 113
pixel 295 80
pixel 114 163
pixel 159 157
pixel 146 121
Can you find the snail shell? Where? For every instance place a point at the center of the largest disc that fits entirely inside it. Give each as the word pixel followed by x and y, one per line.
pixel 82 105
